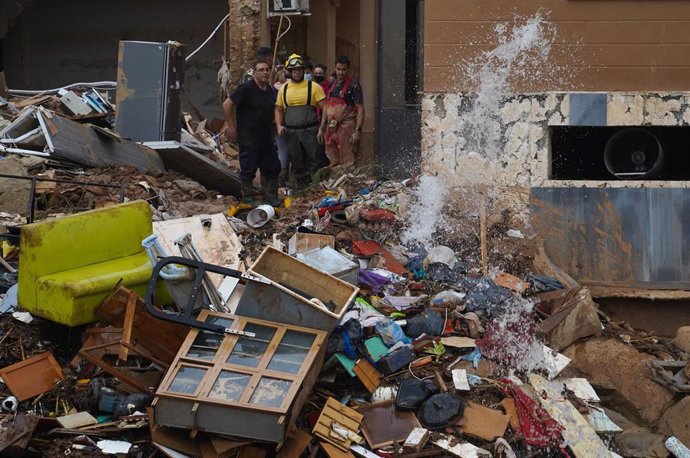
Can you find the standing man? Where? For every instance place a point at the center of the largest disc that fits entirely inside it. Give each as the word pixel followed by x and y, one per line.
pixel 343 116
pixel 296 119
pixel 254 103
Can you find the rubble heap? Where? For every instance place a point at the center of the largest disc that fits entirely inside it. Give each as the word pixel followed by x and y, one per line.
pixel 324 330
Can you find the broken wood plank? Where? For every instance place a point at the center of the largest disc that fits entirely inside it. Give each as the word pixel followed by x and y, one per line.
pixel 367 374
pixel 129 323
pixel 332 412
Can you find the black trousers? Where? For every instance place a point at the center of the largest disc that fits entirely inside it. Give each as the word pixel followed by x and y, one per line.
pixel 263 158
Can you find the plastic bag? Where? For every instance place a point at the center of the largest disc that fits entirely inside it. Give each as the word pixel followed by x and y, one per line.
pixel 449 298
pixel 391 333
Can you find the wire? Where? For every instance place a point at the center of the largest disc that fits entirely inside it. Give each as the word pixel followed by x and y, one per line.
pixel 227 16
pixel 286 30
pixel 98 84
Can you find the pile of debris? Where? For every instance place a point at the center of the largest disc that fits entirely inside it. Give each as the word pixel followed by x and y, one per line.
pixel 319 333
pixel 145 311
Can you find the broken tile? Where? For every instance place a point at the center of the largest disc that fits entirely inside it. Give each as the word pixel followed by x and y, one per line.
pixel 554 362
pixel 601 422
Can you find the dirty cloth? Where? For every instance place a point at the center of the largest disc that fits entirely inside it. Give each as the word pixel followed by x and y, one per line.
pixel 372 280
pixel 537 427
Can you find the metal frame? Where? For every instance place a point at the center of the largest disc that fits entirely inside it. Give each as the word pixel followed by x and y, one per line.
pixel 34 180
pixel 200 273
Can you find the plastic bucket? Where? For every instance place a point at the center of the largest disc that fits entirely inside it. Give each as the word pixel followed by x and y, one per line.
pixel 260 215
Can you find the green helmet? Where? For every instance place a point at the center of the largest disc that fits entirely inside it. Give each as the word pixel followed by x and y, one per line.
pixel 294 61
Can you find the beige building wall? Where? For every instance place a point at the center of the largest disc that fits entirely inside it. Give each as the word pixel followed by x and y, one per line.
pixel 600 45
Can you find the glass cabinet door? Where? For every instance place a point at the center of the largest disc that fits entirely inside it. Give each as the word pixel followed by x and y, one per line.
pixel 206 343
pixel 270 392
pixel 248 351
pixel 187 380
pixel 230 385
pixel 292 351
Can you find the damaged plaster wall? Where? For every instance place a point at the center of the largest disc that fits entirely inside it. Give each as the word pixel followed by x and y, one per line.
pixel 55 43
pixel 245 27
pixel 515 151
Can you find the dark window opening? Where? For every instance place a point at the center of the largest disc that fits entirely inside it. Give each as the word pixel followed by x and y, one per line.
pixel 624 153
pixel 412 51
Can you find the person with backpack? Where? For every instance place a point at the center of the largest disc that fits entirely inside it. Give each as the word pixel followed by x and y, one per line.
pixel 296 120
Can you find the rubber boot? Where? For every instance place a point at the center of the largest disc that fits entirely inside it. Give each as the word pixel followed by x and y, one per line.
pixel 269 191
pixel 248 193
pixel 283 178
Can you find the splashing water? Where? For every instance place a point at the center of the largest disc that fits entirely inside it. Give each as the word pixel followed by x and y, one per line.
pixel 521 55
pixel 428 199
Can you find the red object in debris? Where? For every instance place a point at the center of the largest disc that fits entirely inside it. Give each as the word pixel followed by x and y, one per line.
pixel 322 211
pixel 538 428
pixel 368 248
pixel 377 214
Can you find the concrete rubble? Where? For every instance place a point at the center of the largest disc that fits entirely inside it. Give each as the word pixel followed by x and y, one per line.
pixel 359 342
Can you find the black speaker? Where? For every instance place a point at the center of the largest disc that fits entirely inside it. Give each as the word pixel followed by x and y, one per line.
pixel 634 153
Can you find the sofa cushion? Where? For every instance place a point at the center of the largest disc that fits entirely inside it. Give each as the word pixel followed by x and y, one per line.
pixel 70 297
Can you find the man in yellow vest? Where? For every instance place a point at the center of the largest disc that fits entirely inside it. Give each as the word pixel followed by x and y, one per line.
pixel 296 120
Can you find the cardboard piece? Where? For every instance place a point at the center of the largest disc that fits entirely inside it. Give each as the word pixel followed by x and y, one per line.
pixel 483 422
pixel 578 434
pixel 296 444
pixel 511 282
pixel 172 438
pixel 334 452
pixel 508 405
pixel 458 342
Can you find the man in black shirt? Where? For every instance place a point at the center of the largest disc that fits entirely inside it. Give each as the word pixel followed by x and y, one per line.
pixel 254 103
